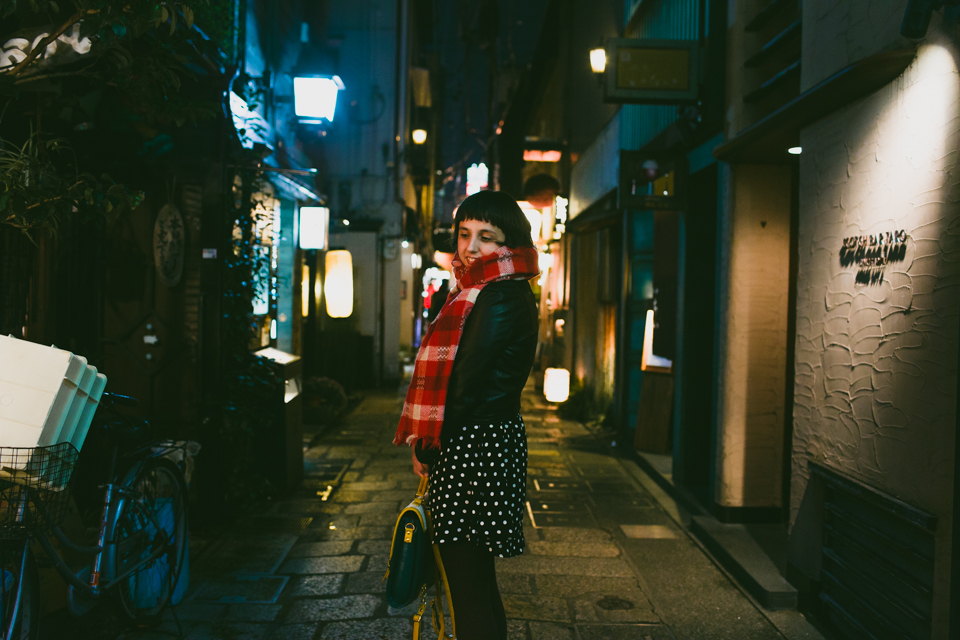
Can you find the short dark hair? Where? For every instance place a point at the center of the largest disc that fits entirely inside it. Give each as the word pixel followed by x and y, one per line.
pixel 499 209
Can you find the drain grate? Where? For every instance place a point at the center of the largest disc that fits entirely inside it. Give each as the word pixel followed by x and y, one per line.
pixel 541 506
pixel 243 552
pixel 558 514
pixel 609 486
pixel 275 524
pixel 613 603
pixel 324 472
pixel 550 484
pixel 241 589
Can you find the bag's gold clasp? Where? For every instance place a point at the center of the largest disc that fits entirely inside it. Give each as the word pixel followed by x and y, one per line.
pixel 408 532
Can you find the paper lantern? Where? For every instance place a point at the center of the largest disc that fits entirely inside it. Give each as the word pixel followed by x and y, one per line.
pixel 339 285
pixel 556 385
pixel 305 292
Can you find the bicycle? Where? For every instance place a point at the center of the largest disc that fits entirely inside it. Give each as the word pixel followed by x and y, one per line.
pixel 142 534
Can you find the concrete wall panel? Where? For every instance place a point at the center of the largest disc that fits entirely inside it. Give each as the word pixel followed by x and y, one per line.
pixel 753 355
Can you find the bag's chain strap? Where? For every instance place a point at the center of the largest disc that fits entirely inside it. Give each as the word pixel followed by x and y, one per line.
pixel 440 581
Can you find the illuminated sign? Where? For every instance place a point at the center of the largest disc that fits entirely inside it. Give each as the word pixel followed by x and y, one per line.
pixel 560 205
pixel 646 71
pixel 314 223
pixel 535 155
pixel 477 178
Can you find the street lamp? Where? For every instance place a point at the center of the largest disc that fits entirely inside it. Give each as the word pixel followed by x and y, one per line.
pixel 315 98
pixel 419 136
pixel 598 60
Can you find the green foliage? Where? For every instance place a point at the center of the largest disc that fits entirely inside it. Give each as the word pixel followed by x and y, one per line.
pixel 138 58
pixel 216 18
pixel 582 404
pixel 325 401
pixel 40 187
pixel 249 382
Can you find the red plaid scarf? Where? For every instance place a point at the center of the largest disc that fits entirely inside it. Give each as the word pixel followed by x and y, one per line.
pixel 423 410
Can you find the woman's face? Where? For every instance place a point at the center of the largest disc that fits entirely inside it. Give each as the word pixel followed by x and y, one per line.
pixel 477 239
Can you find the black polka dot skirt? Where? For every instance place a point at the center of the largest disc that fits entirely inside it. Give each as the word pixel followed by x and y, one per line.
pixel 478 488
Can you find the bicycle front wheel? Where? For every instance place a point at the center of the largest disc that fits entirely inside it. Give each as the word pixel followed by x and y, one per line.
pixel 149 537
pixel 19 591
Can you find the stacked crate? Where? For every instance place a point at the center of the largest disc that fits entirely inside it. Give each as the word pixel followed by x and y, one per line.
pixel 47 395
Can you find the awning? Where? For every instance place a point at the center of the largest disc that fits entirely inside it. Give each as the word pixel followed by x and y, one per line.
pixel 768 140
pixel 290 187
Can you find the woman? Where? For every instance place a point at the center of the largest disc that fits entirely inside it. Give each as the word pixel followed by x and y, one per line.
pixel 462 413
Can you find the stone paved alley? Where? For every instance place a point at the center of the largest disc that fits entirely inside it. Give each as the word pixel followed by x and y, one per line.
pixel 607 556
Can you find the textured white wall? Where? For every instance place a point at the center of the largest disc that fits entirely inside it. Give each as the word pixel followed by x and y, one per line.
pixel 839 32
pixel 876 366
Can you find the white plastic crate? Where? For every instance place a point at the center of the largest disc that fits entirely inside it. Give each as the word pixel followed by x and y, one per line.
pixel 86 416
pixel 79 403
pixel 39 400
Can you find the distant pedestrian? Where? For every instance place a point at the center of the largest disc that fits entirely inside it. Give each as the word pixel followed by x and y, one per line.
pixel 462 412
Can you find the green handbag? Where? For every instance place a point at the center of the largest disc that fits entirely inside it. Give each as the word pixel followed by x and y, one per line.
pixel 415 563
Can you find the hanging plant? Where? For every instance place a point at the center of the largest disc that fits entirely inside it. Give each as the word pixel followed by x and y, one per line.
pixel 249 381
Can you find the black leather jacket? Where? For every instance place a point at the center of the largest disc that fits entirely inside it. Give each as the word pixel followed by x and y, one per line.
pixel 493 360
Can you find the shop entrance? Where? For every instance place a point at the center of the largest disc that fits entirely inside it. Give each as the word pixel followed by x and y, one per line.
pixel 695 446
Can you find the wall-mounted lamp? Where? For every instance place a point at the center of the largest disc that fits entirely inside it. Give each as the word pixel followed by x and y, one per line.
pixel 419 136
pixel 598 59
pixel 339 268
pixel 315 98
pixel 795 151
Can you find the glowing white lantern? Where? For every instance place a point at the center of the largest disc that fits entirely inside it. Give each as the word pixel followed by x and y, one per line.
pixel 316 98
pixel 314 223
pixel 598 60
pixel 339 267
pixel 556 385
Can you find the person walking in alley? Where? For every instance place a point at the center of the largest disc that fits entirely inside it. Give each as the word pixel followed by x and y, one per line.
pixel 462 411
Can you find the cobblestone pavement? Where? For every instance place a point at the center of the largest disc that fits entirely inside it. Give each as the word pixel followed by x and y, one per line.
pixel 604 559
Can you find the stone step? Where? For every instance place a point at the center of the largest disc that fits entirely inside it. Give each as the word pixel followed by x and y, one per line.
pixel 734 547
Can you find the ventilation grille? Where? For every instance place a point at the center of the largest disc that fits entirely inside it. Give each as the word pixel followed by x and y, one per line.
pixel 877 561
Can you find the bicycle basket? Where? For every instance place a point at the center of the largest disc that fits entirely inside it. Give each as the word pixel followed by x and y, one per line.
pixel 34 487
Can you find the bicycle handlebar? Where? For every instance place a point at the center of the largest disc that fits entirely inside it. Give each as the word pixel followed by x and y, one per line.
pixel 119 400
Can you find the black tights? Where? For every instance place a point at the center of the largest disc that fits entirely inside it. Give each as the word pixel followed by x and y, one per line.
pixel 477 607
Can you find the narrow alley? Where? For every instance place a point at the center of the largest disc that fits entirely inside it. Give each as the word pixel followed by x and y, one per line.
pixel 606 556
